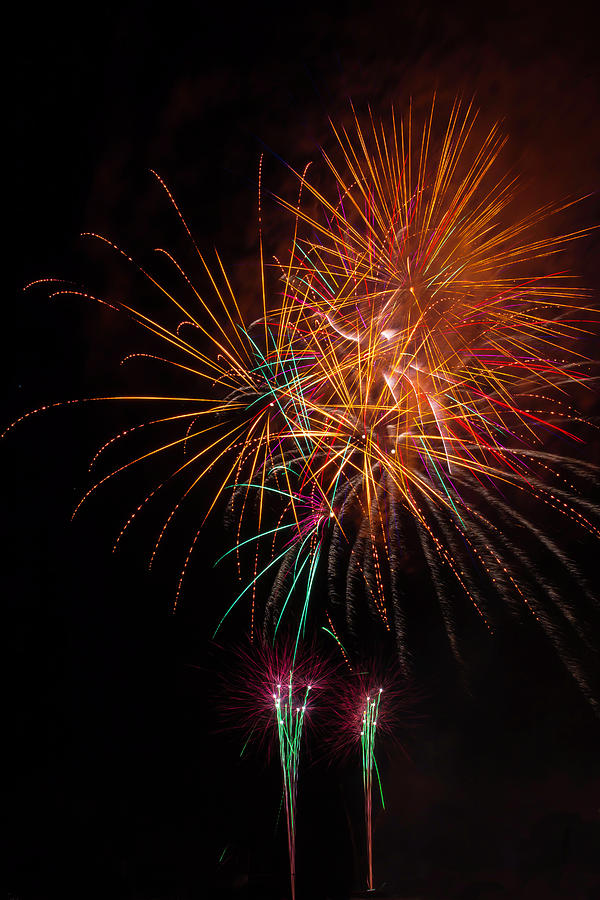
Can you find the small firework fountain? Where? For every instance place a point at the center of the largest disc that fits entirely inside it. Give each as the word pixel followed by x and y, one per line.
pixel 410 388
pixel 367 740
pixel 270 686
pixel 290 722
pixel 372 702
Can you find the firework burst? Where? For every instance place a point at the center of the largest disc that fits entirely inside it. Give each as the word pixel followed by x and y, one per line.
pixel 408 389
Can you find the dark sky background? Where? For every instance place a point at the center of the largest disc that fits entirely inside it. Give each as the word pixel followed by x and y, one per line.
pixel 120 783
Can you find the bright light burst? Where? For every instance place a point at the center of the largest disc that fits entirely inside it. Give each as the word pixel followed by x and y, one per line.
pixel 411 386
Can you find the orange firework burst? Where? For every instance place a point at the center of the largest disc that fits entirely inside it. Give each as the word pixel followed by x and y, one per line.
pixel 439 343
pixel 400 393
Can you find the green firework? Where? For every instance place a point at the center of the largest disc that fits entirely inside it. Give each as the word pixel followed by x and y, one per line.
pixel 290 722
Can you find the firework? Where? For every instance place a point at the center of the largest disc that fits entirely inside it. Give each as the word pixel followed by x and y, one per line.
pixel 290 722
pixel 370 713
pixel 371 704
pixel 271 700
pixel 423 357
pixel 407 390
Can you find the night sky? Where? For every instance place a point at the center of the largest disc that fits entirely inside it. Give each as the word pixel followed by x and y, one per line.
pixel 122 782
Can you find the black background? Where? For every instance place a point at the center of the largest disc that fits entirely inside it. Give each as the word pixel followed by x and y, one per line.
pixel 120 783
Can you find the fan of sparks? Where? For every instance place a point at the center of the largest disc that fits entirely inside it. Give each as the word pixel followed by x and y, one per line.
pixel 408 380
